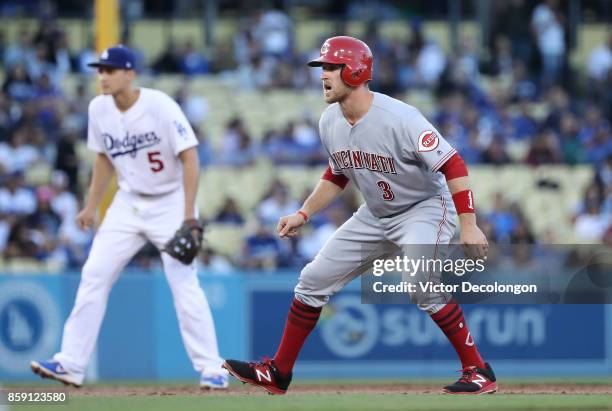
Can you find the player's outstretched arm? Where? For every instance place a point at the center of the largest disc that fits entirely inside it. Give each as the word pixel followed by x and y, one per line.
pixel 101 177
pixel 324 193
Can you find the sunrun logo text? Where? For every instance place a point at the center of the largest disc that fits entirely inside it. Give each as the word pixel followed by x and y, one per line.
pixel 129 144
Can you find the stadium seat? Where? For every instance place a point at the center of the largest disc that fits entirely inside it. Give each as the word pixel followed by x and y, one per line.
pixel 23 266
pixel 224 239
pixel 38 174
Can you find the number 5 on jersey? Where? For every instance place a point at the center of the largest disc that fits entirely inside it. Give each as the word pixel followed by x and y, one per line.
pixel 386 189
pixel 156 164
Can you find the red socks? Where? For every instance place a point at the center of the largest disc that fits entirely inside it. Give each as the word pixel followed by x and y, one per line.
pixel 300 321
pixel 451 322
pixel 303 318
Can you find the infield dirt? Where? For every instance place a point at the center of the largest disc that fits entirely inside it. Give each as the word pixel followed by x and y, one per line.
pixel 394 388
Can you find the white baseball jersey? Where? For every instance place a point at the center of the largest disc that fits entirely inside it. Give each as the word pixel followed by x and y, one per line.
pixel 392 154
pixel 143 142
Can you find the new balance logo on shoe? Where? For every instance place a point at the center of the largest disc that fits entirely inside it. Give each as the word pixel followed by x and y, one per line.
pixel 479 380
pixel 261 376
pixel 474 381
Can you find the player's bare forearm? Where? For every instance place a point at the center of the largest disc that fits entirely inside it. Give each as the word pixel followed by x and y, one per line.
pixel 191 175
pixel 324 193
pixel 455 186
pixel 458 184
pixel 101 176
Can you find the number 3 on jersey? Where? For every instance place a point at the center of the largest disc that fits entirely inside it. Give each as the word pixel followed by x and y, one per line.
pixel 156 164
pixel 386 189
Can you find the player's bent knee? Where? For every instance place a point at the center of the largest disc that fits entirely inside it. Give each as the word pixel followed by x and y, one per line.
pixel 309 291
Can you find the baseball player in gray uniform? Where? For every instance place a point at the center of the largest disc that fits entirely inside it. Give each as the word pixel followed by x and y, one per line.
pixel 414 185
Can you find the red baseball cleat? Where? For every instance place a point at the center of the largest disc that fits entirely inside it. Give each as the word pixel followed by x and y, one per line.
pixel 474 381
pixel 262 374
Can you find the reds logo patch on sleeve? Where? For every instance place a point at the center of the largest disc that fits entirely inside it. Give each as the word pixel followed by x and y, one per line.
pixel 428 141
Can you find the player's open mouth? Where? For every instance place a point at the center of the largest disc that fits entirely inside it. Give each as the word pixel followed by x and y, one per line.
pixel 326 87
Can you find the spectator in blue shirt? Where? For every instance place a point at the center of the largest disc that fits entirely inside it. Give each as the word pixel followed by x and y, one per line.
pixel 261 250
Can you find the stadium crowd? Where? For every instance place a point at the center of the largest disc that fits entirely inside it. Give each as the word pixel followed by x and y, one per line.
pixel 539 110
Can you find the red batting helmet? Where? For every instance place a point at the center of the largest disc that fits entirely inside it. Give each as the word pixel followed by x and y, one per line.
pixel 353 54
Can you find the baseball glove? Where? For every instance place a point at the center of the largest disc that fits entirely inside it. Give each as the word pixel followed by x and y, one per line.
pixel 186 243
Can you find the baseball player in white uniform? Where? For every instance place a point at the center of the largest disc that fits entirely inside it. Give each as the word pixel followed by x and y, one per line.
pixel 414 185
pixel 143 135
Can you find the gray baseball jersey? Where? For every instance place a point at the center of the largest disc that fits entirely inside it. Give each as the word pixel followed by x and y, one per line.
pixel 392 154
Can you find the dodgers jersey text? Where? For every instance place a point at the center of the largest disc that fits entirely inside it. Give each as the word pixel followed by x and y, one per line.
pixel 143 143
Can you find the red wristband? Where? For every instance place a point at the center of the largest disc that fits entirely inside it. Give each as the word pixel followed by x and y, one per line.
pixel 303 214
pixel 464 202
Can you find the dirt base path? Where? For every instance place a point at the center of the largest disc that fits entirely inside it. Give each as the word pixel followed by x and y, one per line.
pixel 396 388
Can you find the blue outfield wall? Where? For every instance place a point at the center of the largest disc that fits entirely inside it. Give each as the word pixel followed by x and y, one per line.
pixel 140 337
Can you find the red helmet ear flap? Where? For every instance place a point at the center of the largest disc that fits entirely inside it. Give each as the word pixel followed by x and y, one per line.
pixel 354 77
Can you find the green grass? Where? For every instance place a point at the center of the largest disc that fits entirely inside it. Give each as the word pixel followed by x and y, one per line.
pixel 241 398
pixel 345 401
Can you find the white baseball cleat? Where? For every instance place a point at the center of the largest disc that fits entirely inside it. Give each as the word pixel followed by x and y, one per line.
pixel 54 370
pixel 214 381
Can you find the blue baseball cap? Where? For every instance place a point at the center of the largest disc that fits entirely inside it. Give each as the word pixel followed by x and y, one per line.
pixel 118 57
